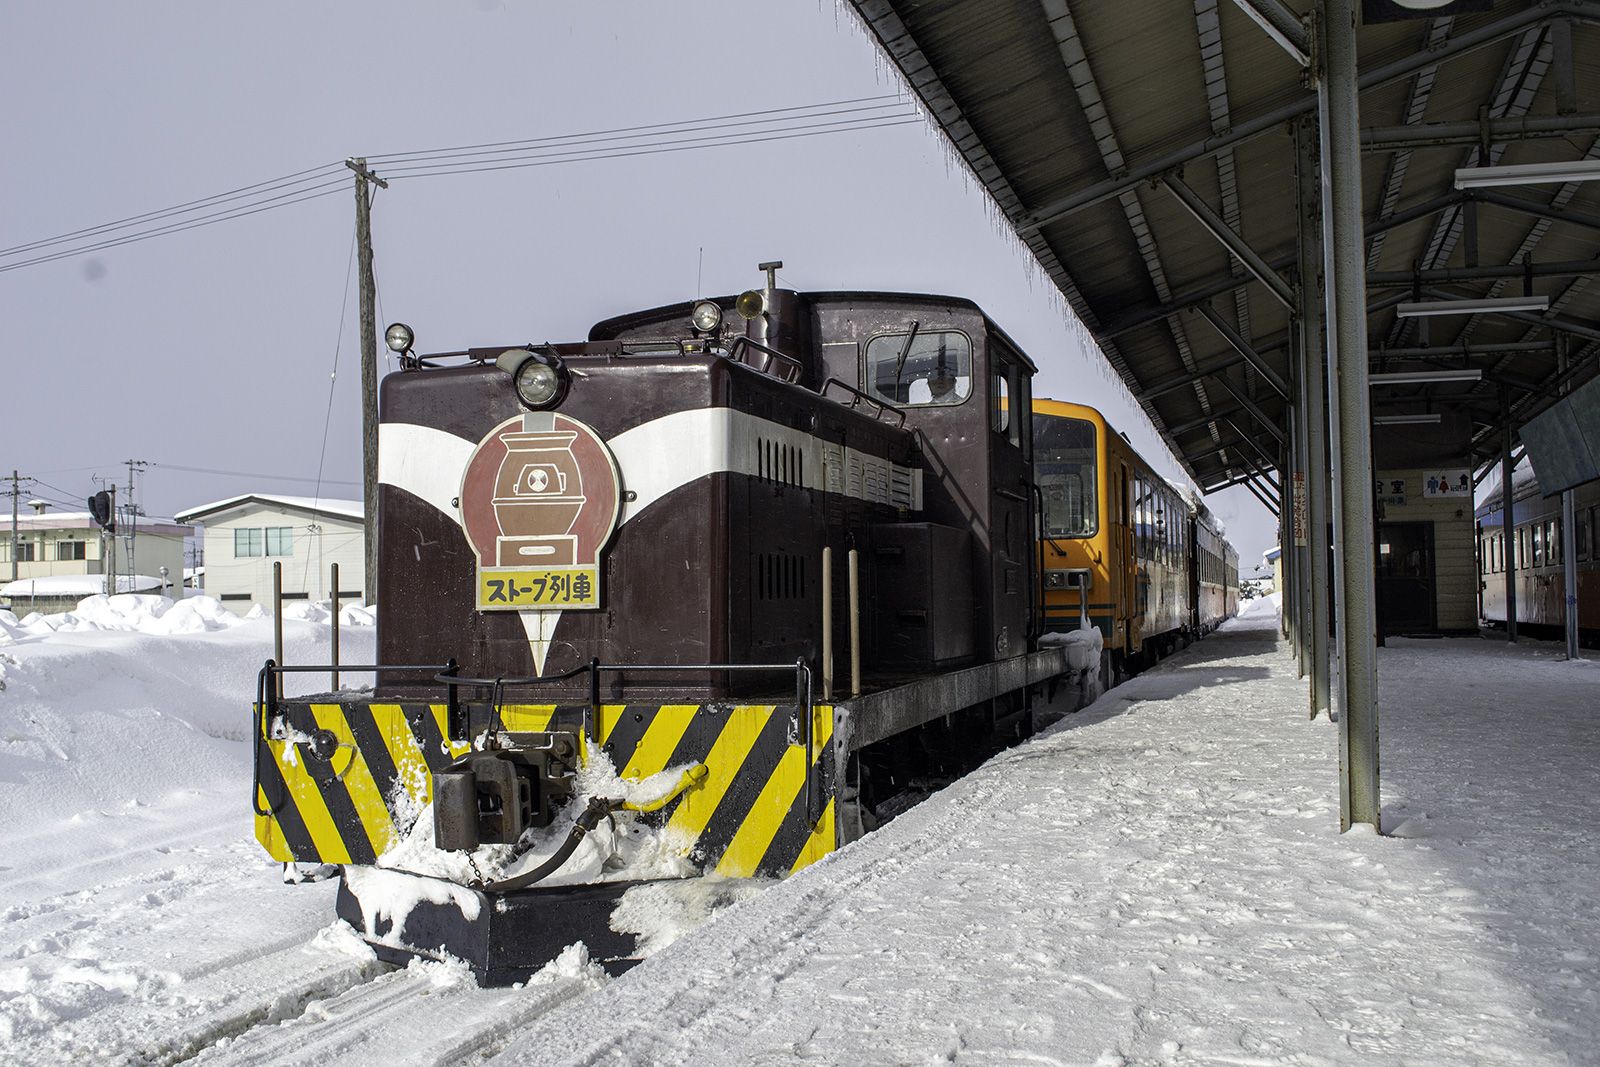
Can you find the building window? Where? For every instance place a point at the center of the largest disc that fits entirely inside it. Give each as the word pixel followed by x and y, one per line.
pixel 272 541
pixel 248 543
pixel 235 596
pixel 69 550
pixel 26 551
pixel 280 540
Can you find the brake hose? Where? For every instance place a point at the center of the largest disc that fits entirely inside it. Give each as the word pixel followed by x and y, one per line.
pixel 599 808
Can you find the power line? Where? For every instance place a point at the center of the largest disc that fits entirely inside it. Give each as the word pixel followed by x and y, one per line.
pixel 297 178
pixel 775 124
pixel 661 130
pixel 247 474
pixel 648 151
pixel 206 220
pixel 392 157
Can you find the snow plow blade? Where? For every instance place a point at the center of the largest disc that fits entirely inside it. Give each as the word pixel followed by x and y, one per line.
pixel 503 937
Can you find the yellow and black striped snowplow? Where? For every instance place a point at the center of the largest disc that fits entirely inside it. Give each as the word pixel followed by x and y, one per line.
pixel 338 780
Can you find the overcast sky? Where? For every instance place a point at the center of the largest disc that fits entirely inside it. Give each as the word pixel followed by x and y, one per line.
pixel 214 347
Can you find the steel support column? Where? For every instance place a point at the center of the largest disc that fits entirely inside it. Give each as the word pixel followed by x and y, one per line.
pixel 1314 405
pixel 1345 263
pixel 1289 613
pixel 1508 526
pixel 1569 538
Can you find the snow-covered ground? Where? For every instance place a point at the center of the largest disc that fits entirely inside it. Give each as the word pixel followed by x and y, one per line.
pixel 1156 880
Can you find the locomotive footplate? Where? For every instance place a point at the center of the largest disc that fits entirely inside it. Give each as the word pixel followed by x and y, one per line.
pixel 503 937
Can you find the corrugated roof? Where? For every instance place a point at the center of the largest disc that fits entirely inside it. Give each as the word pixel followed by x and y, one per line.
pixel 1071 113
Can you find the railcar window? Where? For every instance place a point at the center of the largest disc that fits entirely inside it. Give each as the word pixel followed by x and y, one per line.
pixel 1000 417
pixel 937 369
pixel 1585 524
pixel 1064 463
pixel 1538 544
pixel 1552 543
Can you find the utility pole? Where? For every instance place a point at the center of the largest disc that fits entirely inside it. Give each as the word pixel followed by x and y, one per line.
pixel 16 541
pixel 133 515
pixel 369 370
pixel 108 543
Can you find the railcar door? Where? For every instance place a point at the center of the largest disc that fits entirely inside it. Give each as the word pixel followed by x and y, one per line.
pixel 1011 507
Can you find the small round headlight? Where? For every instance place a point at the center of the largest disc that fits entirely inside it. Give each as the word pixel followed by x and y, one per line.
pixel 750 303
pixel 398 337
pixel 540 383
pixel 706 316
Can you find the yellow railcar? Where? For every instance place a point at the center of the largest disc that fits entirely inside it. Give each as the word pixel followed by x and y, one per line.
pixel 1117 540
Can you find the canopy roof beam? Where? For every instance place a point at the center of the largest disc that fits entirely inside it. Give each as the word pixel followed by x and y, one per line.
pixel 1241 346
pixel 1449 134
pixel 1230 239
pixel 1128 178
pixel 1282 25
pixel 1382 279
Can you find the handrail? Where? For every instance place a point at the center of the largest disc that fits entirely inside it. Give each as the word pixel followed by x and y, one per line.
pixel 860 396
pixel 751 342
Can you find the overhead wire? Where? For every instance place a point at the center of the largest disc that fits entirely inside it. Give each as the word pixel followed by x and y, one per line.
pixel 271 203
pixel 333 381
pixel 246 474
pixel 648 149
pixel 401 156
pixel 749 127
pixel 605 137
pixel 299 177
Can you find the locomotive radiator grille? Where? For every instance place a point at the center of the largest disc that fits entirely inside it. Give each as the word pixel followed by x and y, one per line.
pixel 345 779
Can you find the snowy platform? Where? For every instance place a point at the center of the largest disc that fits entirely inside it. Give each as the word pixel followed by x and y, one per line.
pixel 1160 880
pixel 1156 880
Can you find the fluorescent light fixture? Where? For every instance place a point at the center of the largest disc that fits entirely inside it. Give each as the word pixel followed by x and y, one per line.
pixel 1406 420
pixel 1582 170
pixel 1472 307
pixel 1426 377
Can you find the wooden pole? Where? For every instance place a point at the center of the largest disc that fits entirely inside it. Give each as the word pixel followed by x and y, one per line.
pixel 369 370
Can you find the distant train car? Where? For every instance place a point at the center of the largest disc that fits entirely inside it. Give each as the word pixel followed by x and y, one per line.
pixel 1535 555
pixel 1123 551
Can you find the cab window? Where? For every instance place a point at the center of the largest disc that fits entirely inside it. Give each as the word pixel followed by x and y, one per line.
pixel 1066 468
pixel 920 369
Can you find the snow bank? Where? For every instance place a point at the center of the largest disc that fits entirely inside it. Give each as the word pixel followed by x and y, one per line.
pixel 132 698
pixel 163 616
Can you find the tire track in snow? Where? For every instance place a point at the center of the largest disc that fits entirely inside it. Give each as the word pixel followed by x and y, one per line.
pixel 395 1018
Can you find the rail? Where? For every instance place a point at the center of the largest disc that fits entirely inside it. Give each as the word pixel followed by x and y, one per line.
pixel 858 397
pixel 771 353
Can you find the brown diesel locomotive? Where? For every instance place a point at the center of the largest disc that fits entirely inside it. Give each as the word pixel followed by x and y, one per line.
pixel 748 574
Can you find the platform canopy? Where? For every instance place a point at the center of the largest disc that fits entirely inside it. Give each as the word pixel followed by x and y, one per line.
pixel 1145 150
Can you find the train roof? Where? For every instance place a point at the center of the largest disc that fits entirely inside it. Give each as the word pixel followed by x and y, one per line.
pixel 610 329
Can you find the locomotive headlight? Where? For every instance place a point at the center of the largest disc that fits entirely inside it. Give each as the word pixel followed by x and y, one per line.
pixel 399 337
pixel 706 316
pixel 540 380
pixel 750 303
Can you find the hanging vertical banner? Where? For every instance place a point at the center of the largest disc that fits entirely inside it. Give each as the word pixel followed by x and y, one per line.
pixel 1298 504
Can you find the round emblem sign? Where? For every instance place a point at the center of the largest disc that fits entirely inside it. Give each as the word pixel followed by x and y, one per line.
pixel 539 501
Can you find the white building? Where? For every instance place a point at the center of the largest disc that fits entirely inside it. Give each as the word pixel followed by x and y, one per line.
pixel 66 545
pixel 246 535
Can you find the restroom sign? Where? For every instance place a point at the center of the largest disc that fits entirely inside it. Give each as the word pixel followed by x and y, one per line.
pixel 539 501
pixel 1456 483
